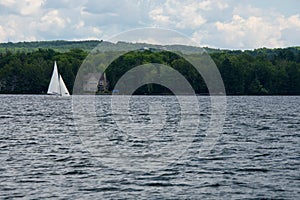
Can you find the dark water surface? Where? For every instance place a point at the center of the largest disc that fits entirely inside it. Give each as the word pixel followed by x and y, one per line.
pixel 257 156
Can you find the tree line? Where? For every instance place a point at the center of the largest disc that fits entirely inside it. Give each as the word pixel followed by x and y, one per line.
pixel 253 72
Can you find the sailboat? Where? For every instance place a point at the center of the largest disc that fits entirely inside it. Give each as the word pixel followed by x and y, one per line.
pixel 57 85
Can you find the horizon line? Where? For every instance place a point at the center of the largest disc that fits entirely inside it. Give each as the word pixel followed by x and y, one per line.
pixel 99 40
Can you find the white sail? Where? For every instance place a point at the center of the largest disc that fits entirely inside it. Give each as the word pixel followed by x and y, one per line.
pixel 63 89
pixel 54 83
pixel 57 85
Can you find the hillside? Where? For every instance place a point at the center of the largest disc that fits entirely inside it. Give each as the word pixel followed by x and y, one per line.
pixel 26 67
pixel 58 45
pixel 88 45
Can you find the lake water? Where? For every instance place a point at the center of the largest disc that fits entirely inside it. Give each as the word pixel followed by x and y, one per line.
pixel 44 154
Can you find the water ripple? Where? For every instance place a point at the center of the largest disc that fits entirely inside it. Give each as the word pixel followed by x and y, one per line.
pixel 257 156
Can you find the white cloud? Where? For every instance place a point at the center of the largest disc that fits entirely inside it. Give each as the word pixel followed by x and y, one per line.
pixel 79 25
pixel 30 6
pixel 212 4
pixel 12 31
pixel 26 7
pixel 181 14
pixel 214 23
pixel 256 31
pixel 96 30
pixel 53 18
pixel 158 15
pixel 7 2
pixel 3 33
pixel 292 21
pixel 199 36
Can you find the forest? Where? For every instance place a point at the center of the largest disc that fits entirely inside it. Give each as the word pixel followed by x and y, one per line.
pixel 250 72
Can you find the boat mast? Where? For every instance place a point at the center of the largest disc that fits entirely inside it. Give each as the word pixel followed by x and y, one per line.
pixel 58 81
pixel 59 86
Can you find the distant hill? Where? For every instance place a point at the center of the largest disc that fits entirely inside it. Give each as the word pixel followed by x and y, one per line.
pixel 63 46
pixel 88 45
pixel 58 45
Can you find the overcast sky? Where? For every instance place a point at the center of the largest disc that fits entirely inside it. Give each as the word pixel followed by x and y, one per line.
pixel 233 24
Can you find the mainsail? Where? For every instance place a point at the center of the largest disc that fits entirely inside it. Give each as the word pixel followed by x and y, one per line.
pixel 57 85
